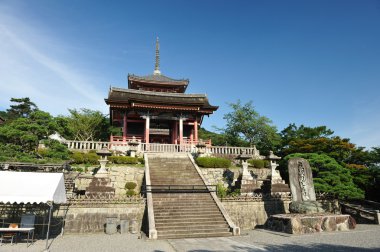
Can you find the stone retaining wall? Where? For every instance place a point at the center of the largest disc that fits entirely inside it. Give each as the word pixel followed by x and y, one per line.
pixel 248 214
pixel 92 219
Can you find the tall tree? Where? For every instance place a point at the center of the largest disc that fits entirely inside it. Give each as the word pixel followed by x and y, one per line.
pixel 331 177
pixel 244 123
pixel 23 107
pixel 87 124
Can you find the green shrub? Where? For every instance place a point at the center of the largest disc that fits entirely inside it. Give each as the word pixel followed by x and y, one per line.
pixel 131 193
pixel 141 160
pixel 91 158
pixel 257 163
pixel 130 185
pixel 85 158
pixel 123 160
pixel 266 164
pixel 213 162
pixel 221 191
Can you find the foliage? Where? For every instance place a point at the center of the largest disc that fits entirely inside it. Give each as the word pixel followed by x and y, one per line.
pixel 85 158
pixel 245 123
pixel 317 140
pixel 54 150
pixel 85 125
pixel 22 109
pixel 124 160
pixel 130 185
pixel 221 191
pixel 213 162
pixel 26 132
pixel 329 176
pixel 257 163
pixel 216 139
pixel 131 193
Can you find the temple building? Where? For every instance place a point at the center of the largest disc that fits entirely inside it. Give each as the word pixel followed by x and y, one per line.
pixel 156 109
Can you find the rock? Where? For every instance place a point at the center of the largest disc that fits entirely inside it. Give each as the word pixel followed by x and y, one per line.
pixel 305 207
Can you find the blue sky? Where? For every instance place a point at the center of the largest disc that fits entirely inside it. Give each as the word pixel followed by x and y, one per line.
pixel 304 62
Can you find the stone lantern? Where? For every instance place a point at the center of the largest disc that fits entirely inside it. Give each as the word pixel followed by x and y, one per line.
pixel 245 173
pixel 133 147
pixel 276 177
pixel 103 153
pixel 201 148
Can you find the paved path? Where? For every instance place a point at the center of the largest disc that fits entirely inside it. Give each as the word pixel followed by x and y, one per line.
pixel 363 238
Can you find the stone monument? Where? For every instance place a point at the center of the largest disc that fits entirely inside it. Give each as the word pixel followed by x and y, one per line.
pixel 302 188
pixel 306 214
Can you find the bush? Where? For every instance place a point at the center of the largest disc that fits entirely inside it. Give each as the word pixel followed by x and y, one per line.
pixel 131 193
pixel 213 162
pixel 130 185
pixel 123 160
pixel 85 158
pixel 141 160
pixel 257 163
pixel 77 158
pixel 221 191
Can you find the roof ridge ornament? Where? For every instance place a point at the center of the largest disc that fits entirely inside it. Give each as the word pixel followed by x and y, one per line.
pixel 157 65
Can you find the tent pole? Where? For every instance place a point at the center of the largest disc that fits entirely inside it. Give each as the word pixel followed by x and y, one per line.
pixel 48 228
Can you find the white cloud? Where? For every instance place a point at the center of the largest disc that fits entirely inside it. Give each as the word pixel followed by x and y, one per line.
pixel 30 67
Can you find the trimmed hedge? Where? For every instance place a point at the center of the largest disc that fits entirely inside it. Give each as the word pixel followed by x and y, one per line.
pixel 213 162
pixel 123 160
pixel 85 158
pixel 259 163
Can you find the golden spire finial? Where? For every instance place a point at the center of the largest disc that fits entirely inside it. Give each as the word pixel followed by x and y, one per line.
pixel 157 65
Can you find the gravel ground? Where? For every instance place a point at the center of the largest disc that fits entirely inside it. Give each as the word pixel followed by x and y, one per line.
pixel 363 238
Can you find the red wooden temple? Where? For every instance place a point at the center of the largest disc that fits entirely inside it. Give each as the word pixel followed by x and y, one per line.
pixel 155 109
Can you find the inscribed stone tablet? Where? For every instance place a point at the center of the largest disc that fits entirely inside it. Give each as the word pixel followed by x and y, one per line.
pixel 301 180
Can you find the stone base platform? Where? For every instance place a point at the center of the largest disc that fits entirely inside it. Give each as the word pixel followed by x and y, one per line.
pixel 309 223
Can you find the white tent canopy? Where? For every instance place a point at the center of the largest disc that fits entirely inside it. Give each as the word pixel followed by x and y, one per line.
pixel 32 187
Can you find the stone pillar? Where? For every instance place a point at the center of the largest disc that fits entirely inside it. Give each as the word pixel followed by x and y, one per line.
pixel 180 130
pixel 125 127
pixel 147 123
pixel 196 130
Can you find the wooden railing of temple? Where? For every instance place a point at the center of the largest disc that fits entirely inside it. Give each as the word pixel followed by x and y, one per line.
pixel 156 147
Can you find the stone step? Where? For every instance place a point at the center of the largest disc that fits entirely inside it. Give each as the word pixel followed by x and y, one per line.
pixel 195 230
pixel 189 218
pixel 193 235
pixel 183 206
pixel 160 211
pixel 188 223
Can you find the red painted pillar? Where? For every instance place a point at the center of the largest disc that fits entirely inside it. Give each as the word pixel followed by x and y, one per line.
pixel 175 132
pixel 196 130
pixel 125 127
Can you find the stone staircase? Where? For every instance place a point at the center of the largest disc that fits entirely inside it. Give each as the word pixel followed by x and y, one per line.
pixel 187 210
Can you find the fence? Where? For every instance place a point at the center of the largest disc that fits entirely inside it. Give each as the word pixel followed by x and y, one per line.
pixel 156 147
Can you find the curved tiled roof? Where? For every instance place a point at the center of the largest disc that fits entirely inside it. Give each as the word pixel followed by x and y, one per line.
pixel 121 95
pixel 158 78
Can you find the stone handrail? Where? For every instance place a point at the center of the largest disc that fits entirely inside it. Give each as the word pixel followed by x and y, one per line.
pixel 86 145
pixel 149 201
pixel 157 147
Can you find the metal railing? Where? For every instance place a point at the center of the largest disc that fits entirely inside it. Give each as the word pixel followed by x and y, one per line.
pixel 179 188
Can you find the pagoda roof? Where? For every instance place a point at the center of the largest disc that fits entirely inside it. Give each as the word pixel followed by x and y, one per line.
pixel 120 97
pixel 159 80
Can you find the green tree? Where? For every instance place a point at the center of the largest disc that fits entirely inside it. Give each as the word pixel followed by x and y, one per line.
pixel 216 139
pixel 87 125
pixel 244 123
pixel 23 107
pixel 331 177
